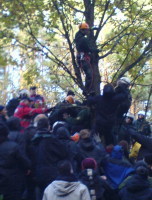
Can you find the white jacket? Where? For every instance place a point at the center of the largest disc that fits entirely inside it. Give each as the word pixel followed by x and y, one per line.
pixel 66 191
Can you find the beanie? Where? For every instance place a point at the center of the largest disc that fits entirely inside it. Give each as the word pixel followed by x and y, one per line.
pixel 89 163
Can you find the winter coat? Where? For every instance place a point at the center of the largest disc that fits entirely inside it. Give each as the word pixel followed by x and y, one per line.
pixel 13 167
pixel 48 151
pixel 82 43
pixel 122 91
pixel 146 143
pixel 17 137
pixel 72 149
pixel 143 127
pixel 137 188
pixel 116 169
pixel 24 113
pixel 81 121
pixel 2 119
pixel 89 149
pixel 12 105
pixel 66 190
pixel 97 187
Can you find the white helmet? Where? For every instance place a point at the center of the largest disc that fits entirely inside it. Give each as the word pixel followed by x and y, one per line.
pixel 24 93
pixel 141 113
pixel 125 80
pixel 130 115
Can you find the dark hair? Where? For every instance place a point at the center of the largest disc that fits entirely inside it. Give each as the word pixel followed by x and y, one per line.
pixel 63 133
pixel 65 167
pixel 14 124
pixel 70 92
pixel 43 123
pixel 33 88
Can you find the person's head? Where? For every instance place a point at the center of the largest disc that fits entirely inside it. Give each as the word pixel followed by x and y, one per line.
pixel 124 145
pixel 33 90
pixel 65 168
pixel 38 117
pixel 4 131
pixel 89 163
pixel 3 110
pixel 124 81
pixel 117 152
pixel 108 90
pixel 84 133
pixel 69 99
pixel 63 133
pixel 141 114
pixel 13 124
pixel 57 125
pixel 26 100
pixel 84 28
pixel 141 168
pixel 24 93
pixel 129 118
pixel 71 93
pixel 43 124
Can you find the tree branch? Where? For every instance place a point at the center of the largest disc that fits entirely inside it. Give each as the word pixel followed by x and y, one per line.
pixel 145 53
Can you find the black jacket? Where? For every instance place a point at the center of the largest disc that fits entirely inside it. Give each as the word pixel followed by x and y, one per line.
pixel 93 181
pixel 13 167
pixel 146 143
pixel 137 188
pixel 82 43
pixel 48 151
pixel 12 105
pixel 89 149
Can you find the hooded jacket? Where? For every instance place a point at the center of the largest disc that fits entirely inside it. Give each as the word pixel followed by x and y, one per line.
pixel 64 190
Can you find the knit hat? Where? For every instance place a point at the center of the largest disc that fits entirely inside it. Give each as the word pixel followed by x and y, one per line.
pixel 89 163
pixel 85 133
pixel 1 108
pixel 75 137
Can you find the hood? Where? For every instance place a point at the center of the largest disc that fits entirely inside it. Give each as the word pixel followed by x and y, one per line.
pixel 137 183
pixel 87 144
pixel 117 152
pixel 63 188
pixel 108 91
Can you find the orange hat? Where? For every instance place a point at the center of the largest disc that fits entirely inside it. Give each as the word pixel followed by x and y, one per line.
pixel 75 137
pixel 84 26
pixel 70 99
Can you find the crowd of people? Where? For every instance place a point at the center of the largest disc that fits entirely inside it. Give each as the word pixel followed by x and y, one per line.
pixel 90 150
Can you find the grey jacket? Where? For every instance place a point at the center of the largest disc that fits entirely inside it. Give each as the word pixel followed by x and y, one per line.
pixel 66 191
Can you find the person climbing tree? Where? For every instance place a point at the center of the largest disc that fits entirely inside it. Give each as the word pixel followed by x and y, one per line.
pixel 84 56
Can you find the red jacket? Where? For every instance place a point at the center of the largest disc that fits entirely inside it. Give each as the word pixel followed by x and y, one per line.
pixel 24 113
